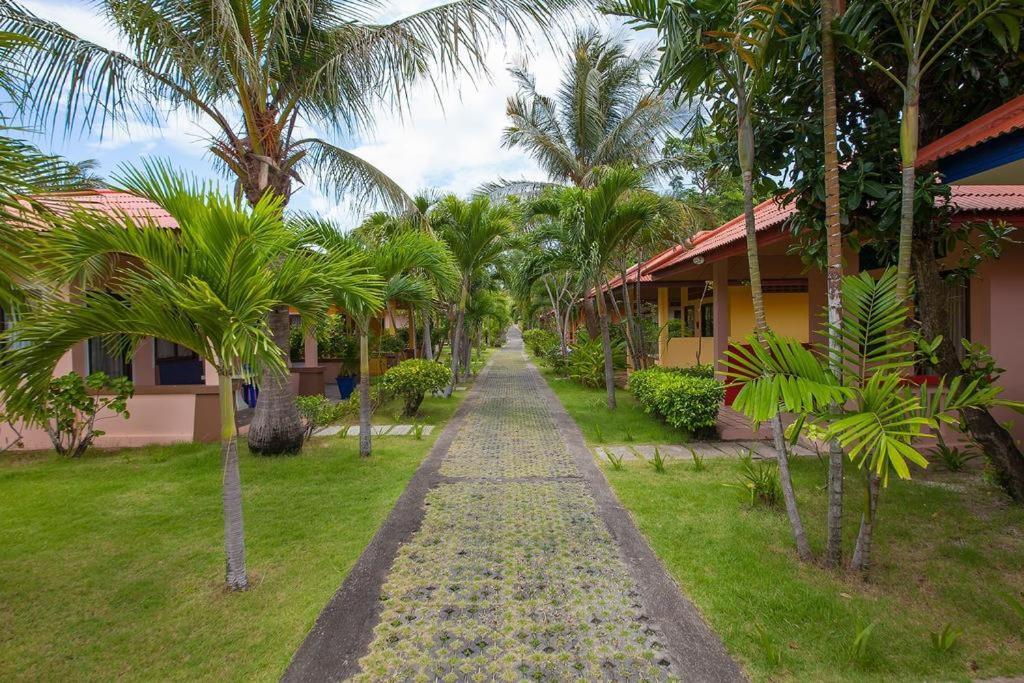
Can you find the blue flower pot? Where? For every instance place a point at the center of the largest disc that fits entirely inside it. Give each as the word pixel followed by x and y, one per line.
pixel 346 385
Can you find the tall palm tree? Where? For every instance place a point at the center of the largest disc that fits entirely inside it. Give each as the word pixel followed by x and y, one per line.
pixel 722 50
pixel 606 112
pixel 594 224
pixel 262 75
pixel 414 268
pixel 477 233
pixel 207 286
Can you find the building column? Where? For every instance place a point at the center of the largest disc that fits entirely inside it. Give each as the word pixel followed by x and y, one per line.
pixel 662 324
pixel 312 350
pixel 684 301
pixel 210 374
pixel 144 363
pixel 720 278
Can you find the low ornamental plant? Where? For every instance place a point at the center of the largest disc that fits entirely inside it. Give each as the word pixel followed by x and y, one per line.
pixel 412 379
pixel 687 401
pixel 586 360
pixel 317 412
pixel 74 405
pixel 539 341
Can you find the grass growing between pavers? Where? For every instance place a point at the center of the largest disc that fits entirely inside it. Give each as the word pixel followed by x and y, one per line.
pixel 112 565
pixel 626 424
pixel 949 550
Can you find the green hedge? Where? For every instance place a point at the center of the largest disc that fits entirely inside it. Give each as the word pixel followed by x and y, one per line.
pixel 685 398
pixel 412 379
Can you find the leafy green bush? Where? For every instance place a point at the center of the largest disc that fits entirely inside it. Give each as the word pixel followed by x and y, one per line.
pixel 556 360
pixel 684 400
pixel 333 341
pixel 318 412
pixel 393 341
pixel 73 405
pixel 586 360
pixel 538 341
pixel 412 379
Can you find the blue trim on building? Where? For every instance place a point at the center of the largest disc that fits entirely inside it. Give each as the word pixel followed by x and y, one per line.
pixel 986 156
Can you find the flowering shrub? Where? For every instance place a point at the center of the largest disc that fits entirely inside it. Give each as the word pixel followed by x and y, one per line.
pixel 686 400
pixel 412 379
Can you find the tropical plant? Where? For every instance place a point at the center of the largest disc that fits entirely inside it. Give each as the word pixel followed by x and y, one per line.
pixel 411 264
pixel 724 51
pixel 412 379
pixel 539 341
pixel 73 405
pixel 945 640
pixel 758 482
pixel 606 112
pixel 207 286
pixel 259 74
pixel 658 461
pixel 871 412
pixel 586 363
pixel 318 412
pixel 477 233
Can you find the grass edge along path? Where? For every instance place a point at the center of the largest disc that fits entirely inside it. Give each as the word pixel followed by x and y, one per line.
pixel 950 551
pixel 112 565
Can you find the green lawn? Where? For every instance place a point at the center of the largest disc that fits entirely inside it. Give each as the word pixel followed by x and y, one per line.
pixel 628 423
pixel 112 566
pixel 948 551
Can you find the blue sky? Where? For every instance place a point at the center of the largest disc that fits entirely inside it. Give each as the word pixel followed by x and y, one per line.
pixel 453 148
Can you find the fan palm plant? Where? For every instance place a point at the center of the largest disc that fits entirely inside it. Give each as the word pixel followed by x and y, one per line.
pixel 595 224
pixel 414 268
pixel 207 285
pixel 477 233
pixel 261 75
pixel 606 112
pixel 871 411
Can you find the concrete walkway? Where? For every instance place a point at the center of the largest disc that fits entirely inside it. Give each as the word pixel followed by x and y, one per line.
pixel 509 558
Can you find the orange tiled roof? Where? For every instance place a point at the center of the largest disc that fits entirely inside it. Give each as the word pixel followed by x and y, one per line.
pixel 1005 119
pixel 111 202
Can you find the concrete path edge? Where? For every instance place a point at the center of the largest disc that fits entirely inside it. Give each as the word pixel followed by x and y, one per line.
pixel 343 631
pixel 697 651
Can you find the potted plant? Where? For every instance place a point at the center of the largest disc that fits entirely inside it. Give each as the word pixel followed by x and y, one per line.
pixel 347 350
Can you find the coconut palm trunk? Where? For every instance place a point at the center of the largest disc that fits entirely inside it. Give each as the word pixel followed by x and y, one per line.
pixel 276 428
pixel 606 345
pixel 909 140
pixel 746 159
pixel 231 494
pixel 428 344
pixel 365 409
pixel 457 335
pixel 861 560
pixel 833 274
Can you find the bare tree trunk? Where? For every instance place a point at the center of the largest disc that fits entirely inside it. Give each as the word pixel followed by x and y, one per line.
pixel 606 344
pixel 412 332
pixel 861 560
pixel 428 345
pixel 231 492
pixel 909 139
pixel 365 409
pixel 593 329
pixel 631 324
pixel 746 158
pixel 834 275
pixel 460 317
pixel 276 428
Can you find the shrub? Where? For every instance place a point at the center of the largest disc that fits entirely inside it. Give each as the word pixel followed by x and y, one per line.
pixel 538 341
pixel 759 482
pixel 586 361
pixel 318 412
pixel 556 360
pixel 412 379
pixel 393 342
pixel 685 400
pixel 73 405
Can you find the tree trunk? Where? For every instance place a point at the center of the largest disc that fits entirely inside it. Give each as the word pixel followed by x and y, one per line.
pixel 590 317
pixel 833 275
pixel 606 344
pixel 365 409
pixel 999 446
pixel 861 561
pixel 631 324
pixel 746 158
pixel 231 493
pixel 428 345
pixel 412 332
pixel 460 317
pixel 276 428
pixel 909 139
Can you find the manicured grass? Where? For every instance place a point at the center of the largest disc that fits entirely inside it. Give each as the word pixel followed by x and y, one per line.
pixel 112 565
pixel 628 423
pixel 949 550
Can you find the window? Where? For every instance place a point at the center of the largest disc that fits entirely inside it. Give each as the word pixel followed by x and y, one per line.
pixel 169 351
pixel 689 321
pixel 707 320
pixel 108 360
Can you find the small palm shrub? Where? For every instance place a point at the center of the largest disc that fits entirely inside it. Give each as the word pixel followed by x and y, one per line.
pixel 759 483
pixel 73 405
pixel 538 341
pixel 586 360
pixel 686 401
pixel 412 379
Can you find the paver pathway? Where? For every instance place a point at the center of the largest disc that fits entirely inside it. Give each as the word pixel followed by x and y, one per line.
pixel 513 566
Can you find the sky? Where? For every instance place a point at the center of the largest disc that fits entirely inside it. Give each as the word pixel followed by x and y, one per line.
pixel 452 145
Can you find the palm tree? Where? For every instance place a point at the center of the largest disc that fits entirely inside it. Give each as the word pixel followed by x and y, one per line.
pixel 414 267
pixel 477 233
pixel 260 75
pixel 606 112
pixel 723 50
pixel 207 286
pixel 595 224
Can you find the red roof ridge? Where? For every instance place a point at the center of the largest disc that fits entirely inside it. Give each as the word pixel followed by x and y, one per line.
pixel 1004 119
